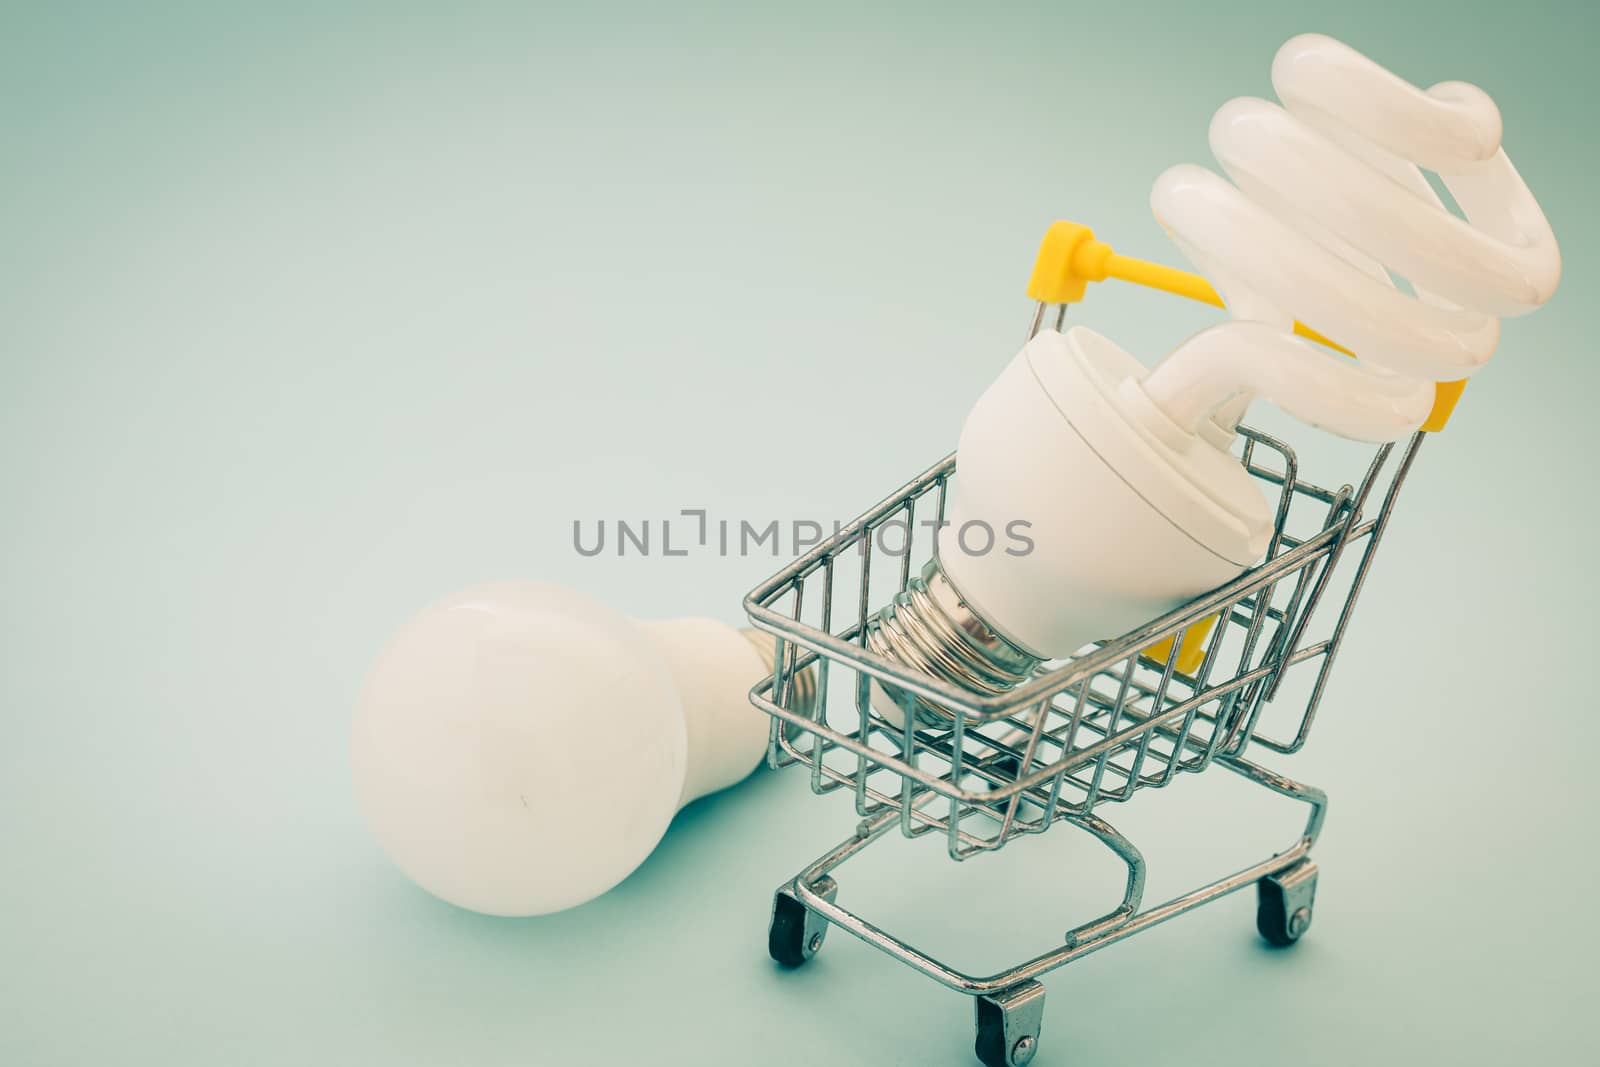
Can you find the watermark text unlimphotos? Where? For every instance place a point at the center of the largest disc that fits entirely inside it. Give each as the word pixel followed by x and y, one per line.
pixel 694 531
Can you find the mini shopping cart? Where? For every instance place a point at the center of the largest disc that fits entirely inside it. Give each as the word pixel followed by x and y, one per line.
pixel 1182 693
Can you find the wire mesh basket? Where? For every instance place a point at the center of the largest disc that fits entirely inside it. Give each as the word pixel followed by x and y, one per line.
pixel 1111 721
pixel 1192 689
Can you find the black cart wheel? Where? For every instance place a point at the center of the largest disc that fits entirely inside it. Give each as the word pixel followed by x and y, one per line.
pixel 796 933
pixel 1284 902
pixel 1008 1025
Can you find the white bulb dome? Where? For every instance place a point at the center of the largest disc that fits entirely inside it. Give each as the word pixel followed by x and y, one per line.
pixel 520 748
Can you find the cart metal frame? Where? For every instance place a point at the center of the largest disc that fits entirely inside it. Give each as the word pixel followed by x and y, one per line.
pixel 1080 735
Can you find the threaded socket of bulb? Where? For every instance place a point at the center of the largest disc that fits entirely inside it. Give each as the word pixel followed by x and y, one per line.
pixel 802 697
pixel 930 628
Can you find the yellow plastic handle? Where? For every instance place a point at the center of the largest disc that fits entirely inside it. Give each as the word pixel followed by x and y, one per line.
pixel 1070 257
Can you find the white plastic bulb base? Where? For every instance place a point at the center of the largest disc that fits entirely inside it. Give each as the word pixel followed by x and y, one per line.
pixel 1127 515
pixel 520 748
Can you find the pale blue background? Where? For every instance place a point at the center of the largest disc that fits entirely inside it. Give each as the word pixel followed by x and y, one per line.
pixel 307 318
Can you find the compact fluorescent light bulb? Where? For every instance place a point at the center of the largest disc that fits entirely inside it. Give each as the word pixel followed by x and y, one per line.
pixel 1324 203
pixel 1129 515
pixel 520 748
pixel 1134 500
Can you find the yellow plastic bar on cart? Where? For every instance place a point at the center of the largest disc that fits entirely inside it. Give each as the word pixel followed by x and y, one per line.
pixel 1191 653
pixel 1070 258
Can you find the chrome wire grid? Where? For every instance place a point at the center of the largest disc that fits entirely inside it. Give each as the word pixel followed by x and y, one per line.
pixel 1083 733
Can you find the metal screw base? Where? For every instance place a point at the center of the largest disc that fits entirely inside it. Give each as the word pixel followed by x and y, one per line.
pixel 802 695
pixel 931 628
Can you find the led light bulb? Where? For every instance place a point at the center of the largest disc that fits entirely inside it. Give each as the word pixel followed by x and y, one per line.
pixel 520 748
pixel 1125 478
